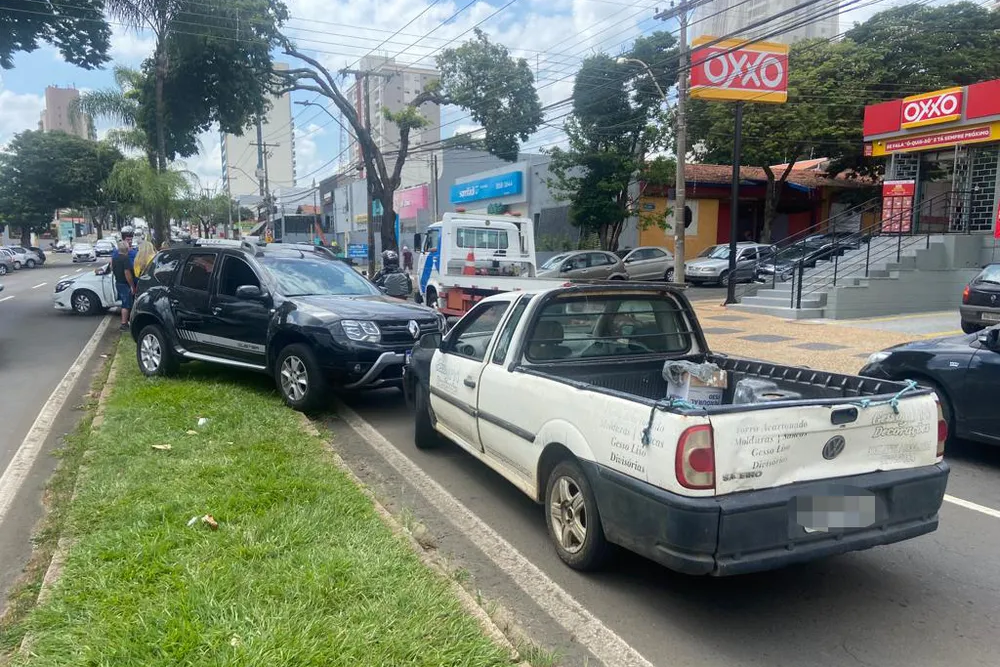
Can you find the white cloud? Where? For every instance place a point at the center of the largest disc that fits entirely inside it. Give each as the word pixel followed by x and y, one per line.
pixel 308 158
pixel 207 164
pixel 18 112
pixel 130 47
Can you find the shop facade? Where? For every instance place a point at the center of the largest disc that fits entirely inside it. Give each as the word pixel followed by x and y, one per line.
pixel 941 148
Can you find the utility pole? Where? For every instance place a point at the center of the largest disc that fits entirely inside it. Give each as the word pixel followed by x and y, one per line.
pixel 265 186
pixel 434 185
pixel 680 12
pixel 260 156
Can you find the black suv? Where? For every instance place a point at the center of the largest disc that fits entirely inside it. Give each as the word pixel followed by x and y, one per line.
pixel 289 311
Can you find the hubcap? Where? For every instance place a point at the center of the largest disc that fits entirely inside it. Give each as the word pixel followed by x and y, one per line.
pixel 569 515
pixel 82 303
pixel 150 353
pixel 294 378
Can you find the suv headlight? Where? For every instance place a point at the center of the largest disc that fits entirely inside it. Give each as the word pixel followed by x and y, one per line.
pixel 63 285
pixel 361 330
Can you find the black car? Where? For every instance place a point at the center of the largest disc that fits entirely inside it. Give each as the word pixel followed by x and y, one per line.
pixel 788 260
pixel 981 300
pixel 292 312
pixel 963 370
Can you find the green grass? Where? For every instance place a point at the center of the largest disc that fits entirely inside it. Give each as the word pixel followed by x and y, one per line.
pixel 300 572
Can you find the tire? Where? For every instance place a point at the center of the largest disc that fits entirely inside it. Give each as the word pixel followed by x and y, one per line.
pixel 971 328
pixel 724 279
pixel 669 276
pixel 17 266
pixel 154 354
pixel 567 495
pixel 30 263
pixel 424 435
pixel 299 378
pixel 85 302
pixel 3 269
pixel 617 278
pixel 432 298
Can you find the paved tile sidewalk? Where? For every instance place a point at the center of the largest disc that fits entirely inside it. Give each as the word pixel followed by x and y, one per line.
pixel 831 347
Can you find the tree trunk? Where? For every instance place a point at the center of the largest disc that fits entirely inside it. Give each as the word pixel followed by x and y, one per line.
pixel 160 216
pixel 25 236
pixel 388 228
pixel 770 208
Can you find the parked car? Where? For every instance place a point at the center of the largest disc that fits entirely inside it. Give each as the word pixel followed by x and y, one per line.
pixel 963 371
pixel 712 265
pixel 981 300
pixel 787 260
pixel 8 254
pixel 564 392
pixel 90 293
pixel 40 253
pixel 6 263
pixel 584 265
pixel 309 322
pixel 84 252
pixel 649 263
pixel 24 257
pixel 104 247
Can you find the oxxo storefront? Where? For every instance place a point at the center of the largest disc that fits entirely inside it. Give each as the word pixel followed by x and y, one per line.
pixel 943 158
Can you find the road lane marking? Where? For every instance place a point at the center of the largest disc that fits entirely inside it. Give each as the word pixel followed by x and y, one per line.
pixel 587 629
pixel 65 275
pixel 24 458
pixel 39 285
pixel 7 298
pixel 975 507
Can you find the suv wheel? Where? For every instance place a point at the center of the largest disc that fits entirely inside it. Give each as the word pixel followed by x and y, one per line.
pixel 154 354
pixel 85 302
pixel 299 378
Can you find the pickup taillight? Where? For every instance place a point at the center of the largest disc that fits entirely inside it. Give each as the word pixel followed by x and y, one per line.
pixel 694 462
pixel 942 427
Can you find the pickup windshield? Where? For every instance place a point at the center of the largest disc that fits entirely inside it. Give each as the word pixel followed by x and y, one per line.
pixel 598 326
pixel 316 277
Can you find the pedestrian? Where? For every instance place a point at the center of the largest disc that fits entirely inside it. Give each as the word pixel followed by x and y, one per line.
pixel 122 268
pixel 407 259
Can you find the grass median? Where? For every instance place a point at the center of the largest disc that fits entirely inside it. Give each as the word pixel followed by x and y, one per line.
pixel 301 571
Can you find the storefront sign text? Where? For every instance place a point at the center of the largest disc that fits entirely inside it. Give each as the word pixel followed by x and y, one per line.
pixel 728 70
pixel 504 185
pixel 941 106
pixel 897 205
pixel 970 135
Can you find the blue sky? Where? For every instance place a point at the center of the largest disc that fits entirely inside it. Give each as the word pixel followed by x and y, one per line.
pixel 553 35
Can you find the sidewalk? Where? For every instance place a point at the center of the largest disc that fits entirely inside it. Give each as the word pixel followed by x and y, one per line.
pixel 830 347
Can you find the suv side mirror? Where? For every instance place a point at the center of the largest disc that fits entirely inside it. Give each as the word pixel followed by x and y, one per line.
pixel 990 339
pixel 249 293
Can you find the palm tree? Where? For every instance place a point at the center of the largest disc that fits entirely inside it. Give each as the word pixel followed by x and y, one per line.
pixel 119 105
pixel 146 190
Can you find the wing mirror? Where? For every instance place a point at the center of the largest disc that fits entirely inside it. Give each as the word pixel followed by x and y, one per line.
pixel 430 341
pixel 250 293
pixel 990 339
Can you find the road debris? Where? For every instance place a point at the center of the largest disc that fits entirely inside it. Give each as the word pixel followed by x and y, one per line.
pixel 162 448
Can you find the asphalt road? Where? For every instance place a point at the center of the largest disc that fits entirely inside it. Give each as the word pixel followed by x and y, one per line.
pixel 930 601
pixel 37 347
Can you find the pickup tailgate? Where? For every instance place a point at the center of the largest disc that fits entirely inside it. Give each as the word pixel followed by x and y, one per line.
pixel 766 448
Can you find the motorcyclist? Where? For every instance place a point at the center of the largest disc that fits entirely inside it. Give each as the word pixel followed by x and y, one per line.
pixel 396 282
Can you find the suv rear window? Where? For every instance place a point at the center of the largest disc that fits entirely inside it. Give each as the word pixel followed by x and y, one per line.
pixel 609 326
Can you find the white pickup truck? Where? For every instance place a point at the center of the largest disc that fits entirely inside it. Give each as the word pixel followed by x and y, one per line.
pixel 563 392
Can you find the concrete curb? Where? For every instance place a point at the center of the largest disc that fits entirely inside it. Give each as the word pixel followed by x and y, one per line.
pixel 468 603
pixel 54 570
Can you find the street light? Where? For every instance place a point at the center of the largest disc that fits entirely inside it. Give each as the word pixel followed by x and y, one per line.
pixel 621 60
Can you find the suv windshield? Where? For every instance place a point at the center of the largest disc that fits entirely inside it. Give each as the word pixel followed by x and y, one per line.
pixel 316 277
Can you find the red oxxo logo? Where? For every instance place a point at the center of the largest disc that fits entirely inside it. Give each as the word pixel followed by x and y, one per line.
pixel 930 108
pixel 734 69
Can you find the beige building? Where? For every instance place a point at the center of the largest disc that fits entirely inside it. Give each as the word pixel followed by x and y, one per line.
pixel 391 86
pixel 57 116
pixel 729 18
pixel 240 153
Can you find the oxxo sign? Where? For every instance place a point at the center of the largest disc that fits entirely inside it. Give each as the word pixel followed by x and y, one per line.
pixel 941 106
pixel 733 69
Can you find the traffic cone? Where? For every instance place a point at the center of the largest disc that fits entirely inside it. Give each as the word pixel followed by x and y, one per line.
pixel 470 265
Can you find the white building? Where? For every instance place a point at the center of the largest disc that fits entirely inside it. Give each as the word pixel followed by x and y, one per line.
pixel 729 18
pixel 240 153
pixel 58 115
pixel 391 86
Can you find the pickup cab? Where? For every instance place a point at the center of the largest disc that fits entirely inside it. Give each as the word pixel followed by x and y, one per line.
pixel 563 392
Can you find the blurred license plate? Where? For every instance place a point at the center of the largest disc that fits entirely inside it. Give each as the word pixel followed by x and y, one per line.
pixel 991 317
pixel 823 514
pixel 406 357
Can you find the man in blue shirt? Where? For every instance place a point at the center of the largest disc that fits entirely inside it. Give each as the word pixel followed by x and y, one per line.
pixel 123 268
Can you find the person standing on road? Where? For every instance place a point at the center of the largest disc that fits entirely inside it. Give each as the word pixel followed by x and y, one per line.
pixel 122 268
pixel 407 259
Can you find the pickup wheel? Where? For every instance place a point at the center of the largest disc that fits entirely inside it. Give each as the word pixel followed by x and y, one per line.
pixel 573 518
pixel 424 435
pixel 154 354
pixel 299 378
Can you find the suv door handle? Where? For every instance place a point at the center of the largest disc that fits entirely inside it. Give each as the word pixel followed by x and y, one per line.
pixel 469 382
pixel 175 302
pixel 216 310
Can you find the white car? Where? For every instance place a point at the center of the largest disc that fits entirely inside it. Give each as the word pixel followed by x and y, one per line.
pixel 89 293
pixel 104 247
pixel 84 252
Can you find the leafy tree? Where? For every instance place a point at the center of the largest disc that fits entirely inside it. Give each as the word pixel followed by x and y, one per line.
pixel 78 29
pixel 821 118
pixel 479 76
pixel 144 191
pixel 206 211
pixel 44 171
pixel 211 64
pixel 615 104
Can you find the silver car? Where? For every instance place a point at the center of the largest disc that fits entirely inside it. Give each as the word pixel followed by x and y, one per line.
pixel 6 263
pixel 23 257
pixel 584 265
pixel 649 263
pixel 712 265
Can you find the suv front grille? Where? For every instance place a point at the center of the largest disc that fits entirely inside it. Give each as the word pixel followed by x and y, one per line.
pixel 396 332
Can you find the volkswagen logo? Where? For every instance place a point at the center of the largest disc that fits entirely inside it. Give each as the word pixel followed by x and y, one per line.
pixel 414 329
pixel 833 447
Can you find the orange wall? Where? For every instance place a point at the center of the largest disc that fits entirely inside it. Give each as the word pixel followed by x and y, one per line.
pixel 707 218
